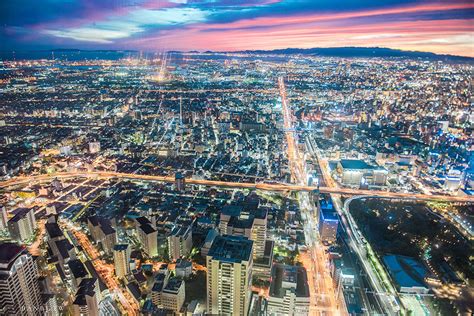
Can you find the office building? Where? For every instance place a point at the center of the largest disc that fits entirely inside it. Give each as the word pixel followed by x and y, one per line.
pixel 23 224
pixel 229 276
pixel 122 260
pixel 76 272
pixel 358 173
pixel 454 180
pixel 289 291
pixel 19 285
pixel 53 234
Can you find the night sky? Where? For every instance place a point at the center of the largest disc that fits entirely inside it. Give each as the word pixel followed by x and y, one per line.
pixel 434 26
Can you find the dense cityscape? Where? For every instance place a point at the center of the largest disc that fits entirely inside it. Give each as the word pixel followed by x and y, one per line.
pixel 235 184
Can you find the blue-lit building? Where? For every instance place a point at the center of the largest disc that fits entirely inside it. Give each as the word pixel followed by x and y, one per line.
pixel 328 221
pixel 409 274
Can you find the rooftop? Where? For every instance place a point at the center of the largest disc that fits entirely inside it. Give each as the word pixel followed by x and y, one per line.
pixel 182 264
pixel 406 271
pixel 147 229
pixel 19 214
pixel 329 214
pixel 283 275
pixel 86 288
pixel 231 248
pixel 77 268
pixel 54 231
pixel 120 247
pixel 232 210
pixel 8 253
pixel 354 164
pixel 173 286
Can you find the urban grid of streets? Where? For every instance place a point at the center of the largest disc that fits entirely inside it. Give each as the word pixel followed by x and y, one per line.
pixel 325 299
pixel 317 266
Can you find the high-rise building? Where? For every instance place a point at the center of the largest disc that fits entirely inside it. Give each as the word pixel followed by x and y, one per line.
pixel 157 290
pixel 251 224
pixel 50 305
pixel 180 181
pixel 229 276
pixel 86 301
pixel 22 226
pixel 19 286
pixel 328 222
pixel 180 242
pixel 3 218
pixel 102 232
pixel 76 272
pixel 454 179
pixel 49 300
pixel 148 237
pixel 122 260
pixel 53 233
pixel 259 232
pixel 173 295
pixel 289 291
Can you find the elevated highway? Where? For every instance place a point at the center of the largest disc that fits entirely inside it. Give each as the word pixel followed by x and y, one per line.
pixel 231 185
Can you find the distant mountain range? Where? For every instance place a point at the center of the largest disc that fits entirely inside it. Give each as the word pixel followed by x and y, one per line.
pixel 345 52
pixel 349 52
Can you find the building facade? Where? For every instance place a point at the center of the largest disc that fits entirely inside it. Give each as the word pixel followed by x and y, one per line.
pixel 229 276
pixel 122 260
pixel 19 286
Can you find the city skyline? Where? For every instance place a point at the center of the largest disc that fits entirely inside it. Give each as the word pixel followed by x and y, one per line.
pixel 225 157
pixel 432 26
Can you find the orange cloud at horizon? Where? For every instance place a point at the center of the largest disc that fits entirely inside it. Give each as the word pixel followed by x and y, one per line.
pixel 438 36
pixel 328 29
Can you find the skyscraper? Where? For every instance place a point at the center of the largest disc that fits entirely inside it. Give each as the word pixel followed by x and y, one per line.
pixel 122 260
pixel 229 277
pixel 19 285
